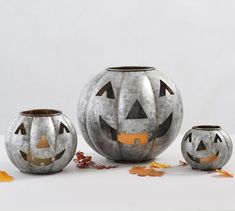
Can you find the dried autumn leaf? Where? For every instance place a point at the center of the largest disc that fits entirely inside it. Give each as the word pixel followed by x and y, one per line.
pixel 83 161
pixel 137 169
pixel 224 173
pixel 143 171
pixel 159 165
pixel 154 173
pixel 96 166
pixel 5 177
pixel 183 163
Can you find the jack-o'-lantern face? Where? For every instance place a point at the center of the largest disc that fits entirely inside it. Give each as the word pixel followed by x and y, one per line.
pixel 130 113
pixel 205 152
pixel 205 147
pixel 136 113
pixel 42 141
pixel 42 145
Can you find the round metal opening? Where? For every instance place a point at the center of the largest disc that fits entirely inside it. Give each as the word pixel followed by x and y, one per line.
pixel 130 69
pixel 41 113
pixel 207 127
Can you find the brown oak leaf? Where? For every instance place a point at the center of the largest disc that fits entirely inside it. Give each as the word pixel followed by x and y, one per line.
pixel 83 161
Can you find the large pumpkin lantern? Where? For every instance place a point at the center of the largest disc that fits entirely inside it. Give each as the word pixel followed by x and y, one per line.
pixel 130 113
pixel 41 141
pixel 206 147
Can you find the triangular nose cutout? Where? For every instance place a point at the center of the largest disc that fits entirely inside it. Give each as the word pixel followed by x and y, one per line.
pixel 137 112
pixel 201 146
pixel 43 143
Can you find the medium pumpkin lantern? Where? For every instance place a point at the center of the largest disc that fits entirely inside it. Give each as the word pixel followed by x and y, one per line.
pixel 130 113
pixel 41 141
pixel 206 147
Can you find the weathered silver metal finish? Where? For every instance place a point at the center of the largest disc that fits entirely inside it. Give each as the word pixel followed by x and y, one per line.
pixel 130 113
pixel 206 147
pixel 41 141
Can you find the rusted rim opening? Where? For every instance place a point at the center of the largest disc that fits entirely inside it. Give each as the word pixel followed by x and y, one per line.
pixel 207 127
pixel 41 113
pixel 130 69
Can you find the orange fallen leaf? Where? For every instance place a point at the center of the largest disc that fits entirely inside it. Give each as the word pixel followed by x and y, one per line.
pixel 143 171
pixel 137 169
pixel 224 173
pixel 5 177
pixel 159 165
pixel 183 163
pixel 154 173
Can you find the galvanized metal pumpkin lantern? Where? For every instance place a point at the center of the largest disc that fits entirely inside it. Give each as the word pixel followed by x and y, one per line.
pixel 206 147
pixel 130 113
pixel 41 141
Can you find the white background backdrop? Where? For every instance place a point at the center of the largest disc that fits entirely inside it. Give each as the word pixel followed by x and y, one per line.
pixel 50 49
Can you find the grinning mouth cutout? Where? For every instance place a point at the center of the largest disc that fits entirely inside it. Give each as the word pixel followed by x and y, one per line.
pixel 133 138
pixel 40 161
pixel 204 160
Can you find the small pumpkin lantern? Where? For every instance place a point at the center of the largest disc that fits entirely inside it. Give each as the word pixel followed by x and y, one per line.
pixel 130 113
pixel 41 141
pixel 206 147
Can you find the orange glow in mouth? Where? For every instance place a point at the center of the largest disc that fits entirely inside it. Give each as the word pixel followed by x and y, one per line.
pixel 133 138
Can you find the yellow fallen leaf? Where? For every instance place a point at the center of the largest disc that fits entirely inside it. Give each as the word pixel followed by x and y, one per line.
pixel 5 177
pixel 159 165
pixel 224 173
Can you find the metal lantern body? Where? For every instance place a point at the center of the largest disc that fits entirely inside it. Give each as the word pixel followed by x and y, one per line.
pixel 41 141
pixel 130 113
pixel 206 147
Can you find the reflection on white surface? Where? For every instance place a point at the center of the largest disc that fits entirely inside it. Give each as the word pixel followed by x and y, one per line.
pixel 181 188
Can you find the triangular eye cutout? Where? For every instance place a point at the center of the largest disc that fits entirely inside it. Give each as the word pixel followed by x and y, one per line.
pixel 163 88
pixel 62 128
pixel 137 112
pixel 217 138
pixel 21 129
pixel 108 89
pixel 188 137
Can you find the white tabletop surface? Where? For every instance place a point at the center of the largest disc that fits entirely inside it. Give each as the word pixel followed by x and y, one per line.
pixel 181 188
